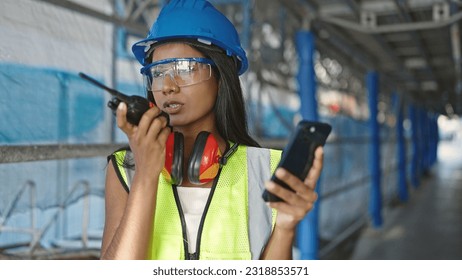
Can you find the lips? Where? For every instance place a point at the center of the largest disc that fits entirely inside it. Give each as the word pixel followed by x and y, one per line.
pixel 172 106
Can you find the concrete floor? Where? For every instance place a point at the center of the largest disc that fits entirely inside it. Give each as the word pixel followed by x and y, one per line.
pixel 429 225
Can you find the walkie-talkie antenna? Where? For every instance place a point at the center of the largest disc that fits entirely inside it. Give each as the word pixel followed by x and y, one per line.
pixel 112 91
pixel 136 105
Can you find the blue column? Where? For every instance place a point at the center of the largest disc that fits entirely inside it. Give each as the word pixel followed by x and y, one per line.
pixel 306 76
pixel 432 131
pixel 246 30
pixel 435 139
pixel 431 140
pixel 423 141
pixel 307 231
pixel 375 203
pixel 401 150
pixel 428 137
pixel 415 167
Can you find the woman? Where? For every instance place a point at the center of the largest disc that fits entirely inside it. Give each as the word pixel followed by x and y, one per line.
pixel 159 203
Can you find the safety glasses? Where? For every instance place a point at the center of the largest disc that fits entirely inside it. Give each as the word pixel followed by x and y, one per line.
pixel 182 71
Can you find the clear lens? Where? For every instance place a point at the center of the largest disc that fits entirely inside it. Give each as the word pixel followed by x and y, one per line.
pixel 182 71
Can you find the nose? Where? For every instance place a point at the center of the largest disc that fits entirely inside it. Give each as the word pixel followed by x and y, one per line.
pixel 169 85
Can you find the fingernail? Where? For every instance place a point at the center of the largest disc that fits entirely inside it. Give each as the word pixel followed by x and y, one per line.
pixel 280 172
pixel 121 106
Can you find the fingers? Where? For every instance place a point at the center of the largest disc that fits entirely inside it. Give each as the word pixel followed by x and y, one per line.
pixel 294 205
pixel 315 171
pixel 297 201
pixel 122 122
pixel 150 122
pixel 300 194
pixel 294 214
pixel 163 135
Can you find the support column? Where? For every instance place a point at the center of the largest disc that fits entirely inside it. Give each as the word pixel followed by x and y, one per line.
pixel 306 76
pixel 423 141
pixel 307 231
pixel 435 139
pixel 375 204
pixel 415 167
pixel 401 150
pixel 246 29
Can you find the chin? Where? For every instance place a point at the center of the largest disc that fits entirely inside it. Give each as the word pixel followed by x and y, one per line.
pixel 176 122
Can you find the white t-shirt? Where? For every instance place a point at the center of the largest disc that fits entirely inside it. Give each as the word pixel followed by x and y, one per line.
pixel 193 200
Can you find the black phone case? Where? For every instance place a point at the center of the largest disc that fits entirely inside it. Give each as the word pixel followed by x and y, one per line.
pixel 298 155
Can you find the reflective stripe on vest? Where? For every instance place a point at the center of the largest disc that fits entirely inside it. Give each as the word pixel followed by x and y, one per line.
pixel 226 233
pixel 260 216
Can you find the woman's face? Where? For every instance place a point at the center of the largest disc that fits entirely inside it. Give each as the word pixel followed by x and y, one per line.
pixel 190 105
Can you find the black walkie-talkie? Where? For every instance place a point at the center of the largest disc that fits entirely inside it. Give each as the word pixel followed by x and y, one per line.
pixel 136 105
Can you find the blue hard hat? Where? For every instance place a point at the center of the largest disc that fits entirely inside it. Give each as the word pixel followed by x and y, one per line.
pixel 193 19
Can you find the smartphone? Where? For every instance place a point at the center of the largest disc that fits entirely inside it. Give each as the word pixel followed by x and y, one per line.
pixel 298 155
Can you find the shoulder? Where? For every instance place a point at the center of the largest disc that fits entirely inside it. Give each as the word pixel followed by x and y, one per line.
pixel 122 150
pixel 258 151
pixel 120 156
pixel 123 164
pixel 259 159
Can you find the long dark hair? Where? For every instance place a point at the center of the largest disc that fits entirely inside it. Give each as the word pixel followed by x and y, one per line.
pixel 230 112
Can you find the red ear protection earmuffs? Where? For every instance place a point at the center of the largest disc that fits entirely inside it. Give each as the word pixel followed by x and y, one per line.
pixel 204 162
pixel 173 168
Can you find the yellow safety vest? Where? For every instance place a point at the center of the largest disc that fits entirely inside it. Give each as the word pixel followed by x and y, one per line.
pixel 236 223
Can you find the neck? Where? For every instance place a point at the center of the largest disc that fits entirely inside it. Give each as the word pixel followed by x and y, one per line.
pixel 191 131
pixel 190 139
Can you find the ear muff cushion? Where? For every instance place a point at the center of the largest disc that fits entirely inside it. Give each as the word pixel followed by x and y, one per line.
pixel 173 168
pixel 204 161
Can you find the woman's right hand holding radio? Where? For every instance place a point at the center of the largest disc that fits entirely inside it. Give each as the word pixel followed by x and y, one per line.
pixel 147 139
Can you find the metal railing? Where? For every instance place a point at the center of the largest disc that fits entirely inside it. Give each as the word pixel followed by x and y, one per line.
pixel 38 233
pixel 30 185
pixel 23 153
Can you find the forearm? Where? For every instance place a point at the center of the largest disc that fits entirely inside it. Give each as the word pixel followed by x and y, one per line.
pixel 131 238
pixel 279 246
